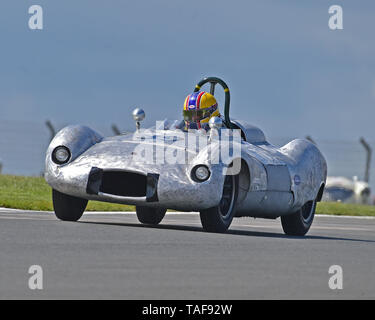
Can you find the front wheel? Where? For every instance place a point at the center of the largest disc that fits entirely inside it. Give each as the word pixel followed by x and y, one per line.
pixel 68 208
pixel 299 223
pixel 219 218
pixel 148 215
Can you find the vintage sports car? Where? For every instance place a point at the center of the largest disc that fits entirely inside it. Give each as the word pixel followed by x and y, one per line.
pixel 258 180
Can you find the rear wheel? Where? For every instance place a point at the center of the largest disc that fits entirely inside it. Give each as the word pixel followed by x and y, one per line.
pixel 68 208
pixel 148 215
pixel 299 223
pixel 219 218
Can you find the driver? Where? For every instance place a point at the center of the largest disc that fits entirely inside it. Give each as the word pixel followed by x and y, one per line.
pixel 199 108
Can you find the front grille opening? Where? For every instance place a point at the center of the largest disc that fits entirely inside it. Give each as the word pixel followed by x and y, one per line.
pixel 122 183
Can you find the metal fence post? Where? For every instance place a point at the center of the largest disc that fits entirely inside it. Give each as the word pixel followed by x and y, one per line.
pixel 368 158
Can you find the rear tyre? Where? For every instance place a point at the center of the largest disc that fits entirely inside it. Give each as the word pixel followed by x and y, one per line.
pixel 299 223
pixel 152 216
pixel 218 219
pixel 68 208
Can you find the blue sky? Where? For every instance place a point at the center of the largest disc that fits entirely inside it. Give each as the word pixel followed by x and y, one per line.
pixel 95 61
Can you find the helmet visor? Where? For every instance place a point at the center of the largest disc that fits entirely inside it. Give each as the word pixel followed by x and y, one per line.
pixel 195 115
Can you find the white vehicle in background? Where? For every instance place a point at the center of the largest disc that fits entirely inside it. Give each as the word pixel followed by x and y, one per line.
pixel 347 190
pixel 342 189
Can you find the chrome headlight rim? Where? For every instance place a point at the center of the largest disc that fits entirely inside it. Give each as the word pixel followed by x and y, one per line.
pixel 196 177
pixel 55 158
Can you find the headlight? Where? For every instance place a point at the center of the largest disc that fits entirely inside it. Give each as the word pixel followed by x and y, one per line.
pixel 200 173
pixel 61 155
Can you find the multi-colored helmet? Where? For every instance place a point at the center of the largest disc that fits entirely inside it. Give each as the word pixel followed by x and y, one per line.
pixel 199 108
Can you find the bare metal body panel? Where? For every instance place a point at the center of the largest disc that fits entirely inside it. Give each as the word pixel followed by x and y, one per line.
pixel 272 182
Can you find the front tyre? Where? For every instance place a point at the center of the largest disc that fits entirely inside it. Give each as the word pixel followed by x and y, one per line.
pixel 68 208
pixel 148 215
pixel 219 218
pixel 299 223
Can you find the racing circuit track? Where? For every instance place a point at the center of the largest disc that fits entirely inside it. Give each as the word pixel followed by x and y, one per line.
pixel 113 256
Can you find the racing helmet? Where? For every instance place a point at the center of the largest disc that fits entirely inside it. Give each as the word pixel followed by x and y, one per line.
pixel 199 108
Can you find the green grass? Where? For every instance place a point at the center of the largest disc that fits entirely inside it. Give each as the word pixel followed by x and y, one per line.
pixel 345 209
pixel 33 193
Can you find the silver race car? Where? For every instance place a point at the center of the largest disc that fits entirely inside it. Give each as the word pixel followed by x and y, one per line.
pixel 227 171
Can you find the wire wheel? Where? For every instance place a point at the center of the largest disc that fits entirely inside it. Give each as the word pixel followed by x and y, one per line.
pixel 219 218
pixel 227 200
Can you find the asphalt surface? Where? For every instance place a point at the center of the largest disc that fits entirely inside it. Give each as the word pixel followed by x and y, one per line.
pixel 113 256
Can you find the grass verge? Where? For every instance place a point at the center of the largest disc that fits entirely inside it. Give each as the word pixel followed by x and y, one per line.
pixel 33 193
pixel 345 209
